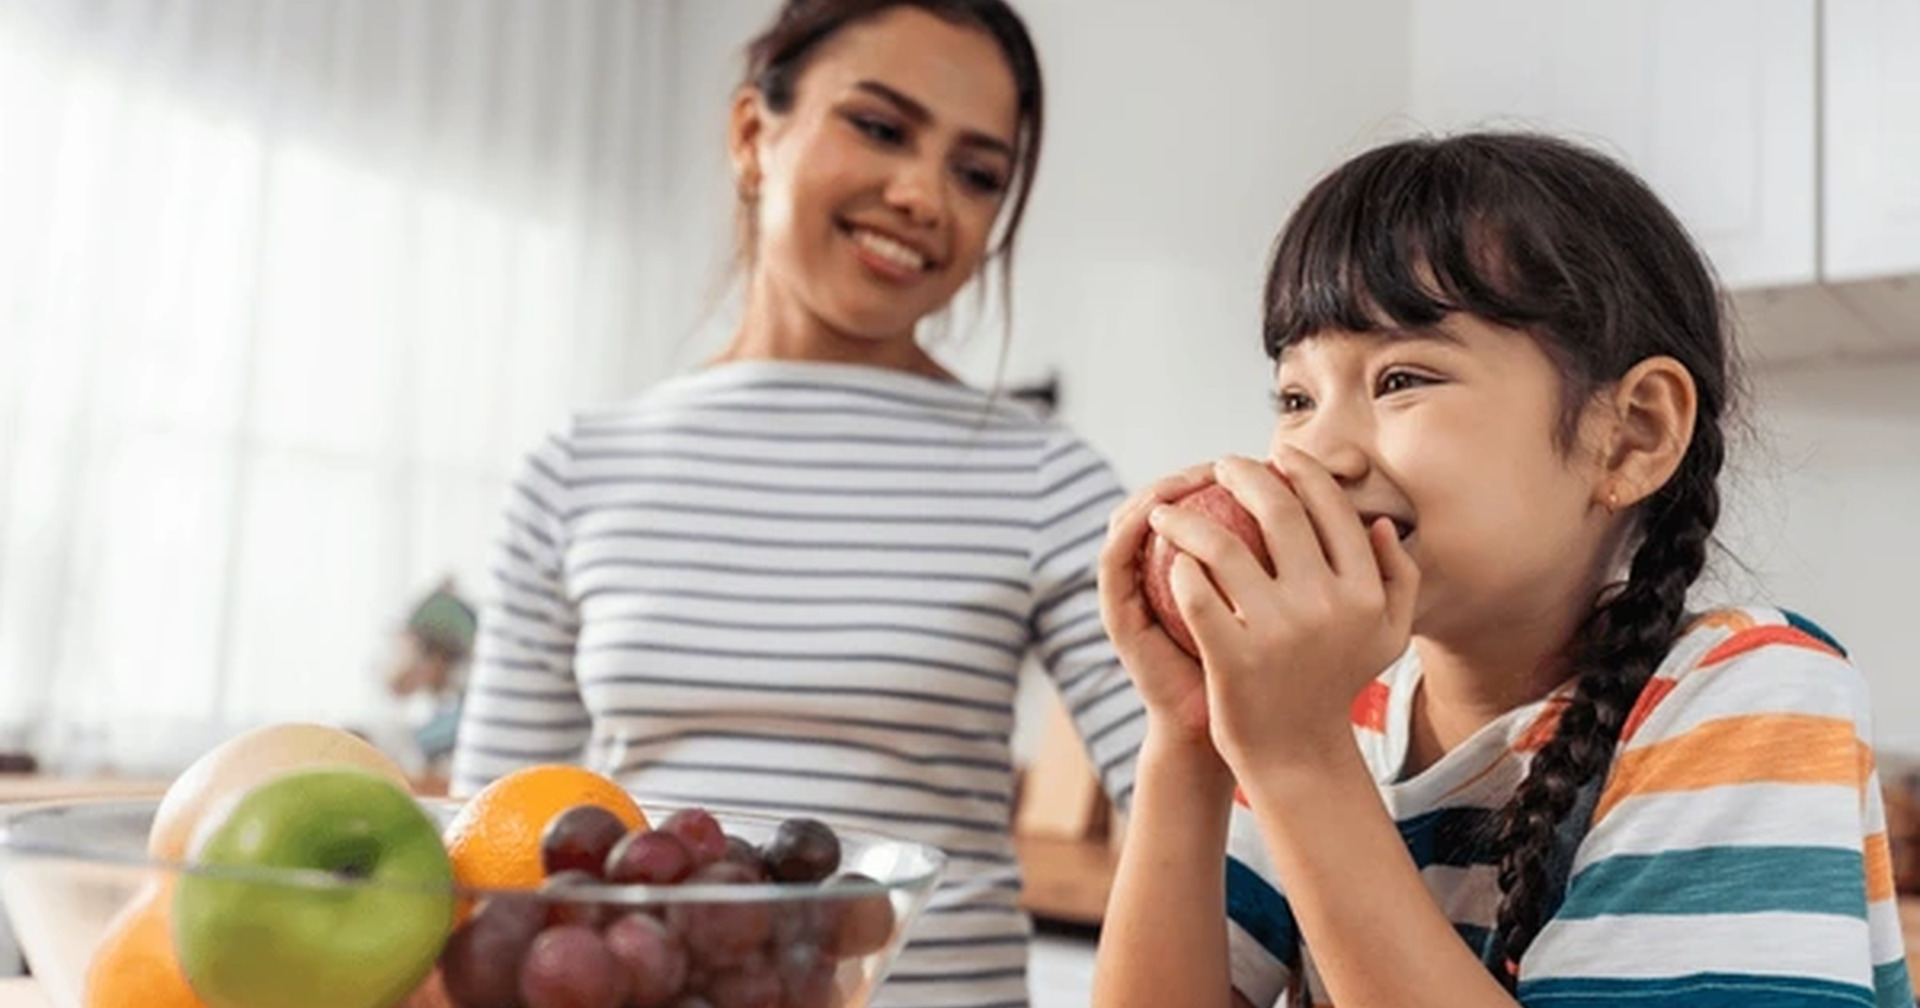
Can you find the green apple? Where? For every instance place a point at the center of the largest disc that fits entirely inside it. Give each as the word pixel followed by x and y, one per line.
pixel 324 888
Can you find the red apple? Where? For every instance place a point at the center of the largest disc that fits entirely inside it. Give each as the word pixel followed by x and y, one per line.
pixel 1217 503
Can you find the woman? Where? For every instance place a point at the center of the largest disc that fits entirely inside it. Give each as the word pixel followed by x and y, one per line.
pixel 803 579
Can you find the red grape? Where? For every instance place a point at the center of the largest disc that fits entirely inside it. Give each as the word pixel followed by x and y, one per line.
pixel 721 934
pixel 649 857
pixel 702 834
pixel 654 959
pixel 570 967
pixel 579 839
pixel 481 961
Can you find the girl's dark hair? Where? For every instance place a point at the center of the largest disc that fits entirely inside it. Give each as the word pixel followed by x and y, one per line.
pixel 778 56
pixel 1543 236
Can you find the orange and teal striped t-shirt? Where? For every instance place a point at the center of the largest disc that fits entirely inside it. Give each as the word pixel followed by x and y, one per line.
pixel 1736 853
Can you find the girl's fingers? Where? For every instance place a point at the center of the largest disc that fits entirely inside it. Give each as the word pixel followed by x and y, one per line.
pixel 1122 604
pixel 1207 612
pixel 1398 573
pixel 1341 534
pixel 1282 517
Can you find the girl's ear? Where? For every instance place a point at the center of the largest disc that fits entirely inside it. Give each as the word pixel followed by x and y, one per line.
pixel 1653 409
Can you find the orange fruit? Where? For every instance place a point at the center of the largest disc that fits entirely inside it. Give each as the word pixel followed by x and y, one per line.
pixel 494 841
pixel 135 967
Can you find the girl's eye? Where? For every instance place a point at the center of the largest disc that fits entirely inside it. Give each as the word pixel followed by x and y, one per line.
pixel 878 130
pixel 1291 401
pixel 983 181
pixel 1401 381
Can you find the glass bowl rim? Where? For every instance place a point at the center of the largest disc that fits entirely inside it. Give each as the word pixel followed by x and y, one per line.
pixel 12 846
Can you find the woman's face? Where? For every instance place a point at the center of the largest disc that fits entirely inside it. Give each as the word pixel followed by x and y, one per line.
pixel 877 192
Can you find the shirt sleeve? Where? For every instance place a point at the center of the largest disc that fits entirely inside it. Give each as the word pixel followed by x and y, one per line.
pixel 1077 491
pixel 1738 851
pixel 522 703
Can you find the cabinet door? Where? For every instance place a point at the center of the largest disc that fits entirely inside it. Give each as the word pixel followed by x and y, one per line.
pixel 1871 104
pixel 1711 101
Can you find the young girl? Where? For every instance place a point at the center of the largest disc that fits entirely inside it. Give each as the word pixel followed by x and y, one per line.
pixel 803 579
pixel 1502 381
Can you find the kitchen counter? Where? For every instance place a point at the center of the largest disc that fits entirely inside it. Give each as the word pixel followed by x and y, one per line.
pixel 53 787
pixel 21 992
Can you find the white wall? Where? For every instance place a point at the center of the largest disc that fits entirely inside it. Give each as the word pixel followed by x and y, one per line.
pixel 1826 512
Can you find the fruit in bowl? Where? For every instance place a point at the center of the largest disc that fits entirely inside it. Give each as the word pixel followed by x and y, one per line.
pixel 364 926
pixel 326 884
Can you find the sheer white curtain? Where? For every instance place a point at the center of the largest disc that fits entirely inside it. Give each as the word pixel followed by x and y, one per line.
pixel 286 286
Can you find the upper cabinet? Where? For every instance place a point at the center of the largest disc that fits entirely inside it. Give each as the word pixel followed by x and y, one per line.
pixel 1711 101
pixel 1870 58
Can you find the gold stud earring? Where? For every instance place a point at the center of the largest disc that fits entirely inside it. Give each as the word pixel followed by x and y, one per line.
pixel 1613 502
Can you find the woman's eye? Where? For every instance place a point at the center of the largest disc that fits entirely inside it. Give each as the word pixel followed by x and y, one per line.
pixel 1400 381
pixel 983 181
pixel 878 130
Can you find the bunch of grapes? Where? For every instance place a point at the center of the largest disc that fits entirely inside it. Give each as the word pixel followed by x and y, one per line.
pixel 552 950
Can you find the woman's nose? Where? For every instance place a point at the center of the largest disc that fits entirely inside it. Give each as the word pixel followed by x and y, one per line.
pixel 915 191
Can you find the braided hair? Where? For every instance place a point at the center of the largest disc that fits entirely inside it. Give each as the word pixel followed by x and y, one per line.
pixel 1546 237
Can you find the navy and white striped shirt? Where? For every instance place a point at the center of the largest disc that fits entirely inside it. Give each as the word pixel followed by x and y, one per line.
pixel 805 588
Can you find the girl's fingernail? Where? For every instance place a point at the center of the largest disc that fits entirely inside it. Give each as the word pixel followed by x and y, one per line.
pixel 1153 516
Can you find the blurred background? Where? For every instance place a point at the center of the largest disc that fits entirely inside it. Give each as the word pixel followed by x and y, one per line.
pixel 287 286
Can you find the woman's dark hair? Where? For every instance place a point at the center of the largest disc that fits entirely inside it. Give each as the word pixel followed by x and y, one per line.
pixel 778 56
pixel 1543 236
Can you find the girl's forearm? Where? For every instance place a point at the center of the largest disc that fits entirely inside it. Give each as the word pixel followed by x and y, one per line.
pixel 1164 938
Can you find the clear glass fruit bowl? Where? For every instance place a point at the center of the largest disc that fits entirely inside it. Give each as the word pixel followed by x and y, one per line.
pixel 98 921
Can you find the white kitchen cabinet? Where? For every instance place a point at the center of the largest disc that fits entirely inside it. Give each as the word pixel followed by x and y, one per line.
pixel 1712 101
pixel 1871 105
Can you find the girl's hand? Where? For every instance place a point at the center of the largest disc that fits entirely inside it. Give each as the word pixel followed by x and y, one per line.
pixel 1168 678
pixel 1286 653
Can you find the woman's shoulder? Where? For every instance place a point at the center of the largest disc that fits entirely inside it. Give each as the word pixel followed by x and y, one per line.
pixel 1742 661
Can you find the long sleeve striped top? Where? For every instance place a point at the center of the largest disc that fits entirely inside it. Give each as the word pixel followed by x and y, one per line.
pixel 808 589
pixel 1736 853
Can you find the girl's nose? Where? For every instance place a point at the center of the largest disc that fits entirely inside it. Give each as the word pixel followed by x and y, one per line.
pixel 1337 445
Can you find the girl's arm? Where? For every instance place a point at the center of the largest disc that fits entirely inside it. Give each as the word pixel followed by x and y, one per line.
pixel 1164 940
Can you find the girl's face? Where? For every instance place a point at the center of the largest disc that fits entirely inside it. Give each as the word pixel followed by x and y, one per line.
pixel 1451 432
pixel 878 190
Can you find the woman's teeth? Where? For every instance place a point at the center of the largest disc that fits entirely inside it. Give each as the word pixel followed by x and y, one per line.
pixel 892 251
